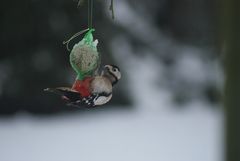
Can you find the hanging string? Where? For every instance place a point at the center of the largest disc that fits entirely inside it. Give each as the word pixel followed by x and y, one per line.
pixel 90 20
pixel 90 13
pixel 90 17
pixel 74 36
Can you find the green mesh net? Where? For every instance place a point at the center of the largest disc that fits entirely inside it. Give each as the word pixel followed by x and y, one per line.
pixel 84 57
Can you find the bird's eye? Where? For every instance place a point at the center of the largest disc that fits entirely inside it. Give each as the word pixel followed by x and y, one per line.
pixel 114 69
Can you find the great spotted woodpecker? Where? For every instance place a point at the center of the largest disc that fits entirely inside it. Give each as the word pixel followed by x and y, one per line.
pixel 91 91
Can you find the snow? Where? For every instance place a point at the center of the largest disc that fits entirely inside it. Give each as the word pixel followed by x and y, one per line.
pixel 168 135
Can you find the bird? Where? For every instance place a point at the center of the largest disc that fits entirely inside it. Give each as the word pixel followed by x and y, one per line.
pixel 92 90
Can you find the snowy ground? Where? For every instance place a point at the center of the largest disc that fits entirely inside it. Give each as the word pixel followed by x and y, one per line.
pixel 156 135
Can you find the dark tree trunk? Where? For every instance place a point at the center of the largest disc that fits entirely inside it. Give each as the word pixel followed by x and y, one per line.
pixel 231 20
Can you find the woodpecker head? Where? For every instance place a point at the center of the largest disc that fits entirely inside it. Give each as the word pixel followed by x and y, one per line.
pixel 112 72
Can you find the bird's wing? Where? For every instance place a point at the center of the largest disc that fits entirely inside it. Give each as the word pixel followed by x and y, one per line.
pixel 71 95
pixel 75 99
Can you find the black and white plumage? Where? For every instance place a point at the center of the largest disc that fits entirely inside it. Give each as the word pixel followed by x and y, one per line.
pixel 92 100
pixel 99 87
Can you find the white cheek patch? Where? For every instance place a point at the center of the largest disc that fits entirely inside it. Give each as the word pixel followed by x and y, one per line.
pixel 117 74
pixel 102 100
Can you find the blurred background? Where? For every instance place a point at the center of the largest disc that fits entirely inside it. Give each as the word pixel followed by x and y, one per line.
pixel 166 107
